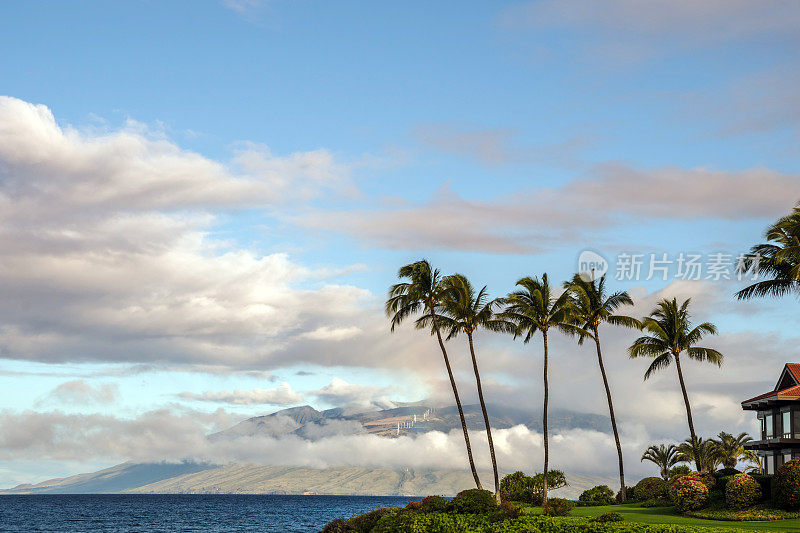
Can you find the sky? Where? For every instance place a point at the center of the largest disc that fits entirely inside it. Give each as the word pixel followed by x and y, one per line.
pixel 203 205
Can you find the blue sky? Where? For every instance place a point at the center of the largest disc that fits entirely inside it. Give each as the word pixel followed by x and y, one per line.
pixel 213 189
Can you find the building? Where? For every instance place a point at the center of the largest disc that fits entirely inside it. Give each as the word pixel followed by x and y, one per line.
pixel 779 418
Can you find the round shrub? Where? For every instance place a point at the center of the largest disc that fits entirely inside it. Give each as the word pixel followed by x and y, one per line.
pixel 430 504
pixel 725 472
pixel 707 478
pixel 680 470
pixel 600 494
pixel 364 523
pixel 473 501
pixel 742 491
pixel 608 517
pixel 337 526
pixel 786 486
pixel 651 488
pixel 690 493
pixel 557 507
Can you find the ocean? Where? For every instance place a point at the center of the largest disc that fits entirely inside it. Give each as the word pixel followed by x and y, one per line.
pixel 122 513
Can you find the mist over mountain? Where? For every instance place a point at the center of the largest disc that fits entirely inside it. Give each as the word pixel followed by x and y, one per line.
pixel 312 425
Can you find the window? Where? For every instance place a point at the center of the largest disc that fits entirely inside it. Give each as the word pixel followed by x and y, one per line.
pixel 787 457
pixel 768 433
pixel 768 465
pixel 796 427
pixel 786 424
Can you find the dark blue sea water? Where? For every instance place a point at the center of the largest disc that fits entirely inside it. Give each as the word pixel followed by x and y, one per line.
pixel 181 512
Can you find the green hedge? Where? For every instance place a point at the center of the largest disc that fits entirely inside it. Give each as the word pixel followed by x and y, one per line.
pixel 742 491
pixel 406 522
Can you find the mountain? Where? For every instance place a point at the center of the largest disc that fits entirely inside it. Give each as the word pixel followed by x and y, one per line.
pixel 243 478
pixel 308 423
pixel 411 419
pixel 118 478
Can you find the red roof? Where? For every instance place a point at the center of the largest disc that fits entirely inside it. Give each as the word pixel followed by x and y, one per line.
pixel 792 391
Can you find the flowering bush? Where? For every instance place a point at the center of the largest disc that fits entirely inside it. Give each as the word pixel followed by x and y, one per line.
pixel 742 491
pixel 430 504
pixel 690 493
pixel 786 486
pixel 651 488
pixel 706 479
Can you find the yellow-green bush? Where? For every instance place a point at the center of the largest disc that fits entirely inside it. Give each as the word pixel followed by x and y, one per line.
pixel 742 491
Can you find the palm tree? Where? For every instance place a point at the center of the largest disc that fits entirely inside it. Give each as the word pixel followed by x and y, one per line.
pixel 731 449
pixel 535 308
pixel 423 292
pixel 664 457
pixel 592 308
pixel 464 311
pixel 704 451
pixel 778 259
pixel 753 457
pixel 670 335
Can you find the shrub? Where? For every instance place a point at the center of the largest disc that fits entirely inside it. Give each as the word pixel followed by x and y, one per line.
pixel 337 526
pixel 473 501
pixel 650 488
pixel 655 503
pixel 690 493
pixel 608 517
pixel 680 470
pixel 504 512
pixel 519 487
pixel 364 523
pixel 742 491
pixel 766 484
pixel 557 507
pixel 786 486
pixel 600 494
pixel 430 504
pixel 630 495
pixel 726 472
pixel 722 482
pixel 708 479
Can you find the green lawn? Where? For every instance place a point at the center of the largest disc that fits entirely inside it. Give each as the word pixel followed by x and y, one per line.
pixel 666 515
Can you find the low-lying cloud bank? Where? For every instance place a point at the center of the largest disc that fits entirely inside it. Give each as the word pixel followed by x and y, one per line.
pixel 164 435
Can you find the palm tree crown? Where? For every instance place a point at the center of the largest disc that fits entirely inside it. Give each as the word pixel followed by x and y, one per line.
pixel 730 449
pixel 670 334
pixel 424 292
pixel 535 308
pixel 591 306
pixel 778 260
pixel 664 457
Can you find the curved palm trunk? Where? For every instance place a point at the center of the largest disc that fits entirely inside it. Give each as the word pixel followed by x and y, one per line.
pixel 688 413
pixel 611 414
pixel 544 421
pixel 458 401
pixel 485 418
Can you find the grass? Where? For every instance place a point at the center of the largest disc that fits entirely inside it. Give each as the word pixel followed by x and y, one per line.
pixel 666 515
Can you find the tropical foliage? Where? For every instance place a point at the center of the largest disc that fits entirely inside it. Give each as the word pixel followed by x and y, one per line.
pixel 651 488
pixel 778 260
pixel 591 307
pixel 690 493
pixel 423 292
pixel 742 491
pixel 786 486
pixel 669 335
pixel 463 310
pixel 664 457
pixel 536 308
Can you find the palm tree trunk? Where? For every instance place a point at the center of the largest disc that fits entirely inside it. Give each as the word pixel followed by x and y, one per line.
pixel 688 412
pixel 485 418
pixel 611 414
pixel 544 422
pixel 458 400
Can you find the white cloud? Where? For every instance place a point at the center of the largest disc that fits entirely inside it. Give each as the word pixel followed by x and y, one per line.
pixel 79 392
pixel 280 395
pixel 341 393
pixel 108 250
